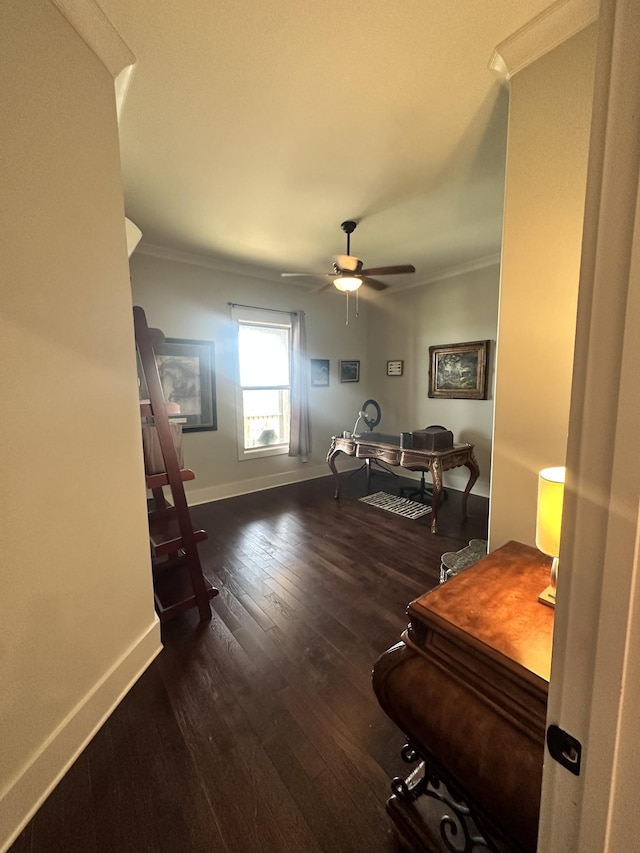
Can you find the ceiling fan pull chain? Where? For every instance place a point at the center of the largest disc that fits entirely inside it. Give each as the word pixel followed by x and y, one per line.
pixel 347 323
pixel 357 302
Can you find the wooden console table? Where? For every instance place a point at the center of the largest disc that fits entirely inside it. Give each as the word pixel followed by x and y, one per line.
pixel 368 448
pixel 468 688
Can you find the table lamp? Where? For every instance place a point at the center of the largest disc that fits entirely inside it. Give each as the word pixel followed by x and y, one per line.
pixel 549 522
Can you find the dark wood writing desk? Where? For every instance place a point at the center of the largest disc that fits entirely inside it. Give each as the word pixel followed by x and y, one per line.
pixel 386 449
pixel 468 688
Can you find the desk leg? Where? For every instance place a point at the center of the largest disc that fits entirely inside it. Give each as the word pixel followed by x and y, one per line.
pixel 367 465
pixel 474 473
pixel 436 475
pixel 331 455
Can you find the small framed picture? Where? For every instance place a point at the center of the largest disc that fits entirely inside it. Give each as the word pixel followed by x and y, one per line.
pixel 349 371
pixel 319 372
pixel 395 368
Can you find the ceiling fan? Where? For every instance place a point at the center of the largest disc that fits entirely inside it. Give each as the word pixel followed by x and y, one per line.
pixel 348 273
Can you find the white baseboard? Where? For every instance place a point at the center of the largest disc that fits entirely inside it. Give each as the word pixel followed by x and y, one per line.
pixel 453 479
pixel 24 795
pixel 259 484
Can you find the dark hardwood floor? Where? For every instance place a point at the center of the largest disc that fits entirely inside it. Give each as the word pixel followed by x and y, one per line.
pixel 259 731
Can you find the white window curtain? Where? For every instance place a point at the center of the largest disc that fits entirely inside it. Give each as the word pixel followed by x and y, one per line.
pixel 300 433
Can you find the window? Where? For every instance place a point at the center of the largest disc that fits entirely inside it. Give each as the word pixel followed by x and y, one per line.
pixel 263 389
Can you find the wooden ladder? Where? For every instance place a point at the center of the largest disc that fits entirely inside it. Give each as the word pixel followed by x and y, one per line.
pixel 178 581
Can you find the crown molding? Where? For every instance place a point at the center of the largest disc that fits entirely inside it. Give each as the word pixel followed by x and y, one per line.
pixel 470 266
pixel 97 31
pixel 452 272
pixel 211 262
pixel 224 265
pixel 543 33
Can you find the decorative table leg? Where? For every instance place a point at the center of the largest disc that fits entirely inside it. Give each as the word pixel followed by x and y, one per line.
pixel 474 473
pixel 436 475
pixel 331 455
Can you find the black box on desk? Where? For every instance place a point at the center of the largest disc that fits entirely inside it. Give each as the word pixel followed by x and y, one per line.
pixel 432 438
pixel 406 440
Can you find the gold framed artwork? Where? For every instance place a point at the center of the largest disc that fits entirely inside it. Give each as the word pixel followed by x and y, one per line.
pixel 459 371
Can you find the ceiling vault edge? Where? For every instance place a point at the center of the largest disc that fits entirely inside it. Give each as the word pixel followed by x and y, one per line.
pixel 97 31
pixel 543 33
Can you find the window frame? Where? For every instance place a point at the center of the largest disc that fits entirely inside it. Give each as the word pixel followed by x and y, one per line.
pixel 264 319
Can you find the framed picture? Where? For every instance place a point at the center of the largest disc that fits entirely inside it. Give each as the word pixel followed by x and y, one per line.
pixel 319 372
pixel 187 374
pixel 395 368
pixel 459 371
pixel 349 371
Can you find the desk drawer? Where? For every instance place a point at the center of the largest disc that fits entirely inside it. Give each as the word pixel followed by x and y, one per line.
pixel 375 451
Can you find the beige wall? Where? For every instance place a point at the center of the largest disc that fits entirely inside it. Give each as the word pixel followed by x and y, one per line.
pixel 188 301
pixel 405 325
pixel 78 623
pixel 550 112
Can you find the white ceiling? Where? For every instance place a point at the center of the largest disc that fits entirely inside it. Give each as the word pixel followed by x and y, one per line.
pixel 253 128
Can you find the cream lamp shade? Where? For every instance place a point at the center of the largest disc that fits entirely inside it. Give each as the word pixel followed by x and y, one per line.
pixel 347 283
pixel 549 521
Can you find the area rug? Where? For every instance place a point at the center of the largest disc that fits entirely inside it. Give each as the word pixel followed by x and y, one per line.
pixel 400 506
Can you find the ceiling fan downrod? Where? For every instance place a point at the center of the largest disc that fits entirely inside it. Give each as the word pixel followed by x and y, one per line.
pixel 349 227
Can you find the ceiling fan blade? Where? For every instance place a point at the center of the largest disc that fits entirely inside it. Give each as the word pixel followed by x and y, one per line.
pixel 313 274
pixel 389 270
pixel 373 283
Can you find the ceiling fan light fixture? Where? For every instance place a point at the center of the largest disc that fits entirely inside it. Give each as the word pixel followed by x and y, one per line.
pixel 347 283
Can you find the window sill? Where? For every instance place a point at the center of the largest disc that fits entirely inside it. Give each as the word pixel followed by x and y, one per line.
pixel 259 452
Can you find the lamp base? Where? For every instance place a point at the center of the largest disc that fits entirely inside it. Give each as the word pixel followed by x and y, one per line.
pixel 548 596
